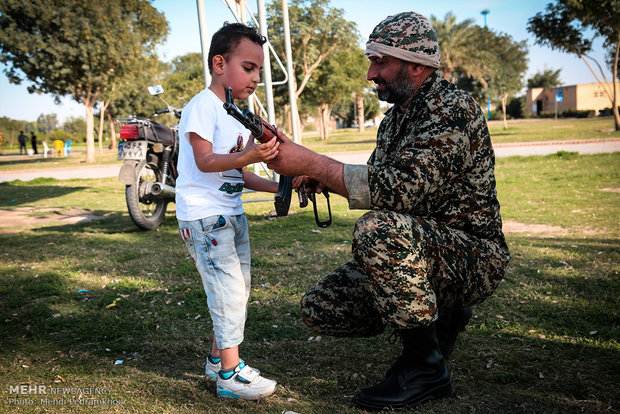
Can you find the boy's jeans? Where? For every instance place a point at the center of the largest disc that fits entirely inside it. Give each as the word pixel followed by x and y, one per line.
pixel 220 247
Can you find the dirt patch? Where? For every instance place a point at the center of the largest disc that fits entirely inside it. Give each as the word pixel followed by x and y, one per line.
pixel 610 190
pixel 15 219
pixel 515 227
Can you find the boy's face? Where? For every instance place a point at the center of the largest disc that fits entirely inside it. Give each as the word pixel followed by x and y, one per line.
pixel 242 70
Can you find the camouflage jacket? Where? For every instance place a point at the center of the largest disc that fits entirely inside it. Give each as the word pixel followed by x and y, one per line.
pixel 435 160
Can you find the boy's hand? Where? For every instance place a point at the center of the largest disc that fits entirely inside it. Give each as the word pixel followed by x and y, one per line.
pixel 262 152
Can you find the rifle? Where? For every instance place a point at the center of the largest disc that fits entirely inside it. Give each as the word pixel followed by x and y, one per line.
pixel 264 132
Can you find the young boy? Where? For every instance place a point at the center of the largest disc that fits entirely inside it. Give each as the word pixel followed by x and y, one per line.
pixel 214 149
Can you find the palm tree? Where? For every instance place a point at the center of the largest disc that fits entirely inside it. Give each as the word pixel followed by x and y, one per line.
pixel 457 46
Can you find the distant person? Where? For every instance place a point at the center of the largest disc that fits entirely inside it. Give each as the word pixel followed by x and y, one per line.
pixel 214 150
pixel 33 142
pixel 22 138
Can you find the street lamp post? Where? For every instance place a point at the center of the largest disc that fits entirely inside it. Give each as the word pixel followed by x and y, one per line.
pixel 484 13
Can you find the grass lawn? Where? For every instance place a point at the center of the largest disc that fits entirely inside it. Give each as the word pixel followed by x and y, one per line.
pixel 77 298
pixel 76 159
pixel 345 140
pixel 526 130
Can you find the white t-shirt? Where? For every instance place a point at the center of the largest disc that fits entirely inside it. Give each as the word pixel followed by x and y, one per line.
pixel 200 194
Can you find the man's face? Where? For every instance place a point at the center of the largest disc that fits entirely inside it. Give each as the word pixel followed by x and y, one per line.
pixel 391 75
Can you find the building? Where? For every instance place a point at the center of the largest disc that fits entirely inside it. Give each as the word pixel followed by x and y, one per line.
pixel 582 97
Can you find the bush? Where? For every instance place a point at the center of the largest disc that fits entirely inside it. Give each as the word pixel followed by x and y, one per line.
pixel 575 113
pixel 606 112
pixel 547 114
pixel 569 113
pixel 516 107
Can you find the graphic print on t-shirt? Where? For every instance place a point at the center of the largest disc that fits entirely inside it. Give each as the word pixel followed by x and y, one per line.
pixel 236 173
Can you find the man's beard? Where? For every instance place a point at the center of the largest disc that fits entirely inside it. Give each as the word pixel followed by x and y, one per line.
pixel 400 90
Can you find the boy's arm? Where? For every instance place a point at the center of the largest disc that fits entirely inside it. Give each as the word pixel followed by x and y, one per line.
pixel 257 183
pixel 208 161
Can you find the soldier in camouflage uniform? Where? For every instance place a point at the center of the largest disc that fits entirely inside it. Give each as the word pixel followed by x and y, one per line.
pixel 432 243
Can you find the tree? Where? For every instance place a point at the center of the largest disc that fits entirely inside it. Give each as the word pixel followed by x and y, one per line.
pixel 74 126
pixel 10 129
pixel 548 78
pixel 185 79
pixel 338 78
pixel 458 45
pixel 347 111
pixel 129 96
pixel 47 123
pixel 77 48
pixel 516 107
pixel 507 67
pixel 317 32
pixel 564 26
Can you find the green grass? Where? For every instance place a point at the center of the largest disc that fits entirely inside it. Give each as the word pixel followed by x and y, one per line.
pixel 346 140
pixel 529 130
pixel 518 131
pixel 546 341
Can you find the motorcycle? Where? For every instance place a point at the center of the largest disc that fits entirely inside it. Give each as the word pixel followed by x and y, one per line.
pixel 149 151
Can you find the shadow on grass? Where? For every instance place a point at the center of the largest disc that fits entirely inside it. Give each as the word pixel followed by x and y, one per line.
pixel 25 162
pixel 114 222
pixel 15 193
pixel 145 305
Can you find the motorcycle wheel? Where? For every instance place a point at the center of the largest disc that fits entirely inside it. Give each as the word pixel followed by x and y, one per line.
pixel 146 212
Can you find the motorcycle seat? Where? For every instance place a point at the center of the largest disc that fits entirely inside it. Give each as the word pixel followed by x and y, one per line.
pixel 156 132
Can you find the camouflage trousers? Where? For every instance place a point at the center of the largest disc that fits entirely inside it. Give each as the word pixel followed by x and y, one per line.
pixel 403 269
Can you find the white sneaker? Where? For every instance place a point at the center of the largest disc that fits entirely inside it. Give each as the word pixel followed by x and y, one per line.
pixel 245 384
pixel 212 369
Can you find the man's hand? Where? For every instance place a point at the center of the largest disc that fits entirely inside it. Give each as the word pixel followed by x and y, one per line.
pixel 294 160
pixel 311 185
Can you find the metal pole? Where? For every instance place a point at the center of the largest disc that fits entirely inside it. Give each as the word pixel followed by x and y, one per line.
pixel 204 41
pixel 262 21
pixel 484 13
pixel 291 75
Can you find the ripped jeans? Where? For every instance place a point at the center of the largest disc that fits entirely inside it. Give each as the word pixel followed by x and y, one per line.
pixel 220 247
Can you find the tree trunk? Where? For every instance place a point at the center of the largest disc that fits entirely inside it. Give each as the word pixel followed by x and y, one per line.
pixel 324 114
pixel 320 126
pixel 112 129
pixel 104 106
pixel 359 101
pixel 100 135
pixel 287 118
pixel 89 104
pixel 504 99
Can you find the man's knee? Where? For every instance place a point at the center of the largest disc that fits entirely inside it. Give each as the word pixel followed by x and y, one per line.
pixel 382 233
pixel 308 311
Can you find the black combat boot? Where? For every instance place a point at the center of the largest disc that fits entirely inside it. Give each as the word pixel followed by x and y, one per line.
pixel 418 375
pixel 448 325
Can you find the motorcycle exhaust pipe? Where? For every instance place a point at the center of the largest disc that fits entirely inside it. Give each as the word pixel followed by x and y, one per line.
pixel 162 190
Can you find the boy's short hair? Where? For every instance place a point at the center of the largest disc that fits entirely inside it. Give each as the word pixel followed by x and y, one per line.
pixel 226 39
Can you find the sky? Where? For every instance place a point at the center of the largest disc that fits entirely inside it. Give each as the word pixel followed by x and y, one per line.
pixel 507 16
